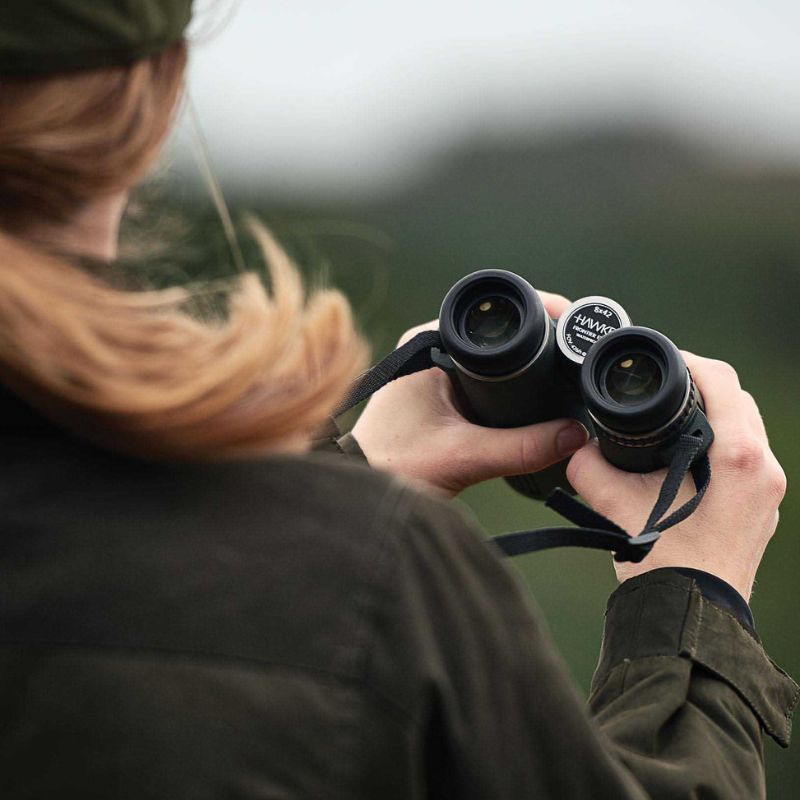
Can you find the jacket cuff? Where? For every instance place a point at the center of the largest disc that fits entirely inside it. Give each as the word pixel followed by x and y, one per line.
pixel 663 613
pixel 329 439
pixel 348 445
pixel 722 594
pixel 324 439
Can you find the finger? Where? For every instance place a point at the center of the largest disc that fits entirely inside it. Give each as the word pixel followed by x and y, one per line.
pixel 595 479
pixel 719 387
pixel 433 325
pixel 753 414
pixel 624 497
pixel 722 393
pixel 554 304
pixel 498 452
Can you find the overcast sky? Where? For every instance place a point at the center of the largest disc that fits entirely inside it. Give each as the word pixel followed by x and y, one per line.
pixel 350 93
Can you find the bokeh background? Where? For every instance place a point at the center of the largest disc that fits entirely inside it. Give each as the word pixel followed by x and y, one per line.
pixel 646 151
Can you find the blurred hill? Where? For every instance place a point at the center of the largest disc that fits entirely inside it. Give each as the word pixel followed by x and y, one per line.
pixel 705 250
pixel 578 214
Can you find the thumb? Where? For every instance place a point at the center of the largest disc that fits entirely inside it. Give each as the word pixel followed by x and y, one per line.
pixel 515 451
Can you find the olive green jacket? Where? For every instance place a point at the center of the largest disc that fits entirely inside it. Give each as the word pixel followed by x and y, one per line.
pixel 310 628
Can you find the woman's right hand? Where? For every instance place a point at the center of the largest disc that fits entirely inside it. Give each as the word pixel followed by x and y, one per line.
pixel 730 529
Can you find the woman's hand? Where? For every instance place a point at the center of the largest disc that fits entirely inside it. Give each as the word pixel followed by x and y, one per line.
pixel 411 427
pixel 729 531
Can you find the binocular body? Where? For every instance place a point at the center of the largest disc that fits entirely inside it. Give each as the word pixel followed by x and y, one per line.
pixel 512 365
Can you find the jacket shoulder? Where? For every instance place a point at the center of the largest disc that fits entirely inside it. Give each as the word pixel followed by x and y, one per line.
pixel 276 561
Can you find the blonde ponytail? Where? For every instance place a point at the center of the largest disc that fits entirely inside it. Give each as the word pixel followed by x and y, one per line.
pixel 136 371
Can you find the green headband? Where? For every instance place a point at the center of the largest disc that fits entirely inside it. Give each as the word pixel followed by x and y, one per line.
pixel 43 36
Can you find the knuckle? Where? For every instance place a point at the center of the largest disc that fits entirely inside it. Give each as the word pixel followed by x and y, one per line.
pixel 751 401
pixel 776 482
pixel 745 454
pixel 724 369
pixel 749 397
pixel 754 408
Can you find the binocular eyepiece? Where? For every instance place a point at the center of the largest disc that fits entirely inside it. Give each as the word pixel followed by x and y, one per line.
pixel 512 365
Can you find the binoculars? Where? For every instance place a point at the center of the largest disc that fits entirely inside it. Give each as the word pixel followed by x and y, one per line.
pixel 512 365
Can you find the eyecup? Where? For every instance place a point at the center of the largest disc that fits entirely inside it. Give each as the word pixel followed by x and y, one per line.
pixel 652 414
pixel 506 358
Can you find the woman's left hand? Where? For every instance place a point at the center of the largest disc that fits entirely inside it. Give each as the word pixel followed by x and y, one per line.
pixel 412 428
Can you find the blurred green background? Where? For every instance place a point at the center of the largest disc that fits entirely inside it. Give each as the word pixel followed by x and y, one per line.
pixel 645 151
pixel 708 254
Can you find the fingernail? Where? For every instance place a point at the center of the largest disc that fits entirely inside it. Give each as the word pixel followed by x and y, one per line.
pixel 571 438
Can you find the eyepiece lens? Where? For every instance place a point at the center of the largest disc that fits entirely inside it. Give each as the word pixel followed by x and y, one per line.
pixel 492 321
pixel 633 379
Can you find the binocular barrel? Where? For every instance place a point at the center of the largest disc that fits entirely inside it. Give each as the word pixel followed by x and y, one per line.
pixel 512 365
pixel 641 398
pixel 501 343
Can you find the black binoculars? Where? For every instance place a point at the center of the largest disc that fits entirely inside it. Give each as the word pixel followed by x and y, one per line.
pixel 512 365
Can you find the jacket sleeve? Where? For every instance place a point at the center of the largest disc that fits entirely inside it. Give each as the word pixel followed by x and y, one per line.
pixel 678 701
pixel 683 691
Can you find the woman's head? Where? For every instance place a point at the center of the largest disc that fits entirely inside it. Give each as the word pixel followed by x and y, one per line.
pixel 135 371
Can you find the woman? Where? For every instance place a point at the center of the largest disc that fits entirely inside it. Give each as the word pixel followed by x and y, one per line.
pixel 193 605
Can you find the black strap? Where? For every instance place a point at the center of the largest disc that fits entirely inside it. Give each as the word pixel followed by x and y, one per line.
pixel 413 356
pixel 600 533
pixel 594 530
